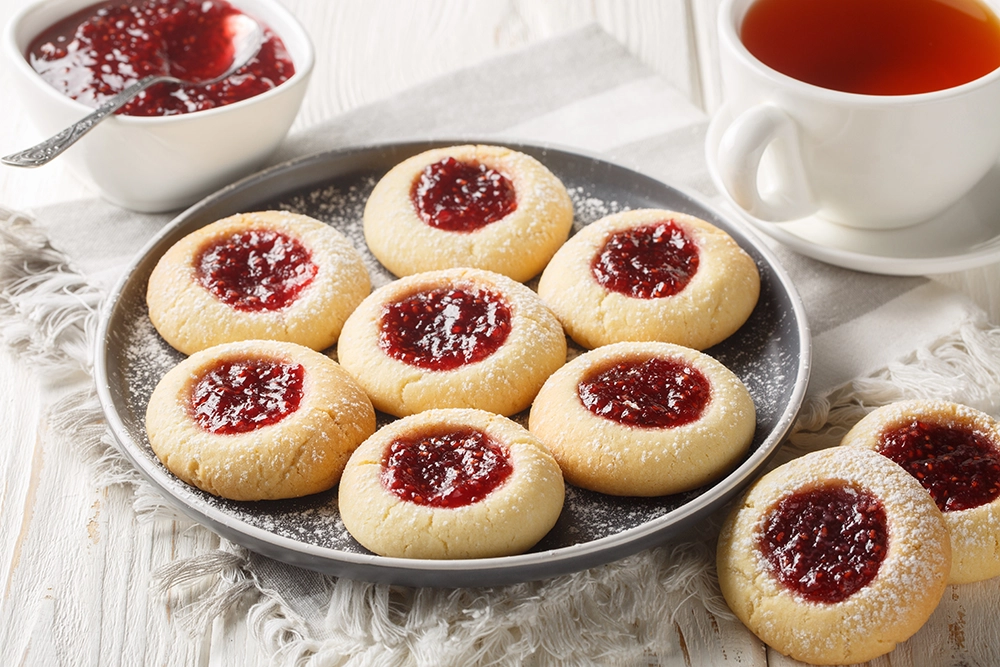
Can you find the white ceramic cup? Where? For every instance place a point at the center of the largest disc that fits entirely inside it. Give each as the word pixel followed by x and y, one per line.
pixel 793 150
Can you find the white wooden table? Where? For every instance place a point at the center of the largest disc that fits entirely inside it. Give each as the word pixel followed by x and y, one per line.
pixel 74 562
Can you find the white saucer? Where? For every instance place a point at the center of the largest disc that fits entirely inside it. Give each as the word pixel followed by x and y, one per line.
pixel 965 236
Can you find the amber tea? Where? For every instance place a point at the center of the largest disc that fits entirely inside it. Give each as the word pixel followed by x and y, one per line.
pixel 875 47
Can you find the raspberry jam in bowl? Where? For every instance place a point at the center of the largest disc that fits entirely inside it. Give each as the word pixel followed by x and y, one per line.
pixel 95 53
pixel 170 147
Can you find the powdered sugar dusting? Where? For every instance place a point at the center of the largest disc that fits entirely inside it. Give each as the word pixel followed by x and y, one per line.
pixel 148 357
pixel 587 208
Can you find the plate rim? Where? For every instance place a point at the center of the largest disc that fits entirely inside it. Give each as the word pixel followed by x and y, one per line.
pixel 423 572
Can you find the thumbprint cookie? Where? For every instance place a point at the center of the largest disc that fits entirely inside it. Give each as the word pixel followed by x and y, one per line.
pixel 258 420
pixel 485 207
pixel 651 275
pixel 954 452
pixel 644 419
pixel 456 338
pixel 266 275
pixel 451 483
pixel 834 557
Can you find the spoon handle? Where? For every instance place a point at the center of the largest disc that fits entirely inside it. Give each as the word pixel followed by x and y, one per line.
pixel 46 151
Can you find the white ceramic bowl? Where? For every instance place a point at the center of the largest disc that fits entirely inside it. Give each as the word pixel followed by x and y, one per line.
pixel 154 164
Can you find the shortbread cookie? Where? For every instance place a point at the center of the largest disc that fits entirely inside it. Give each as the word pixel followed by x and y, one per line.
pixel 651 275
pixel 268 275
pixel 644 419
pixel 835 557
pixel 485 207
pixel 452 483
pixel 457 338
pixel 258 420
pixel 954 452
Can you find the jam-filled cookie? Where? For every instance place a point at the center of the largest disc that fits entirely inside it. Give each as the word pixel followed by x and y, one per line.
pixel 453 483
pixel 835 557
pixel 485 207
pixel 644 419
pixel 651 275
pixel 258 420
pixel 267 275
pixel 954 452
pixel 456 338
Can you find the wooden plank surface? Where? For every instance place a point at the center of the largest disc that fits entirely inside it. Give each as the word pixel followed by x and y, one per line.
pixel 76 563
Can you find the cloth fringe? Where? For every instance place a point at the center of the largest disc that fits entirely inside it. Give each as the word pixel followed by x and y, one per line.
pixel 231 583
pixel 614 614
pixel 49 310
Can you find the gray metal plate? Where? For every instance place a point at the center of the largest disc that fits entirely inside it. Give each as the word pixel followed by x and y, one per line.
pixel 770 353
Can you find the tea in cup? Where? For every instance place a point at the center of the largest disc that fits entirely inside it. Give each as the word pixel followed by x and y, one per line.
pixel 875 114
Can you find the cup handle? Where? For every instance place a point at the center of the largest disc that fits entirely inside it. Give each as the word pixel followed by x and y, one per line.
pixel 740 152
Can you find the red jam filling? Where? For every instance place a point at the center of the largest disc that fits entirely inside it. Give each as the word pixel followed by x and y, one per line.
pixel 651 393
pixel 443 329
pixel 827 543
pixel 241 396
pixel 445 469
pixel 462 196
pixel 256 270
pixel 958 466
pixel 99 51
pixel 649 262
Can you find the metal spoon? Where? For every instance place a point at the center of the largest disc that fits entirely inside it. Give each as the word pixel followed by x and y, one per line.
pixel 247 36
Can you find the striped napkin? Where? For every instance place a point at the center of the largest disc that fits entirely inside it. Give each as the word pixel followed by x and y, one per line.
pixel 875 339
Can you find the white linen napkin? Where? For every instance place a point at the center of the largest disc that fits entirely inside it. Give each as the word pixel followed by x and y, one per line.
pixel 876 339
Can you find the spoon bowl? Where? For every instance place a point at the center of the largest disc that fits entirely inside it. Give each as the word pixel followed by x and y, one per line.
pixel 246 36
